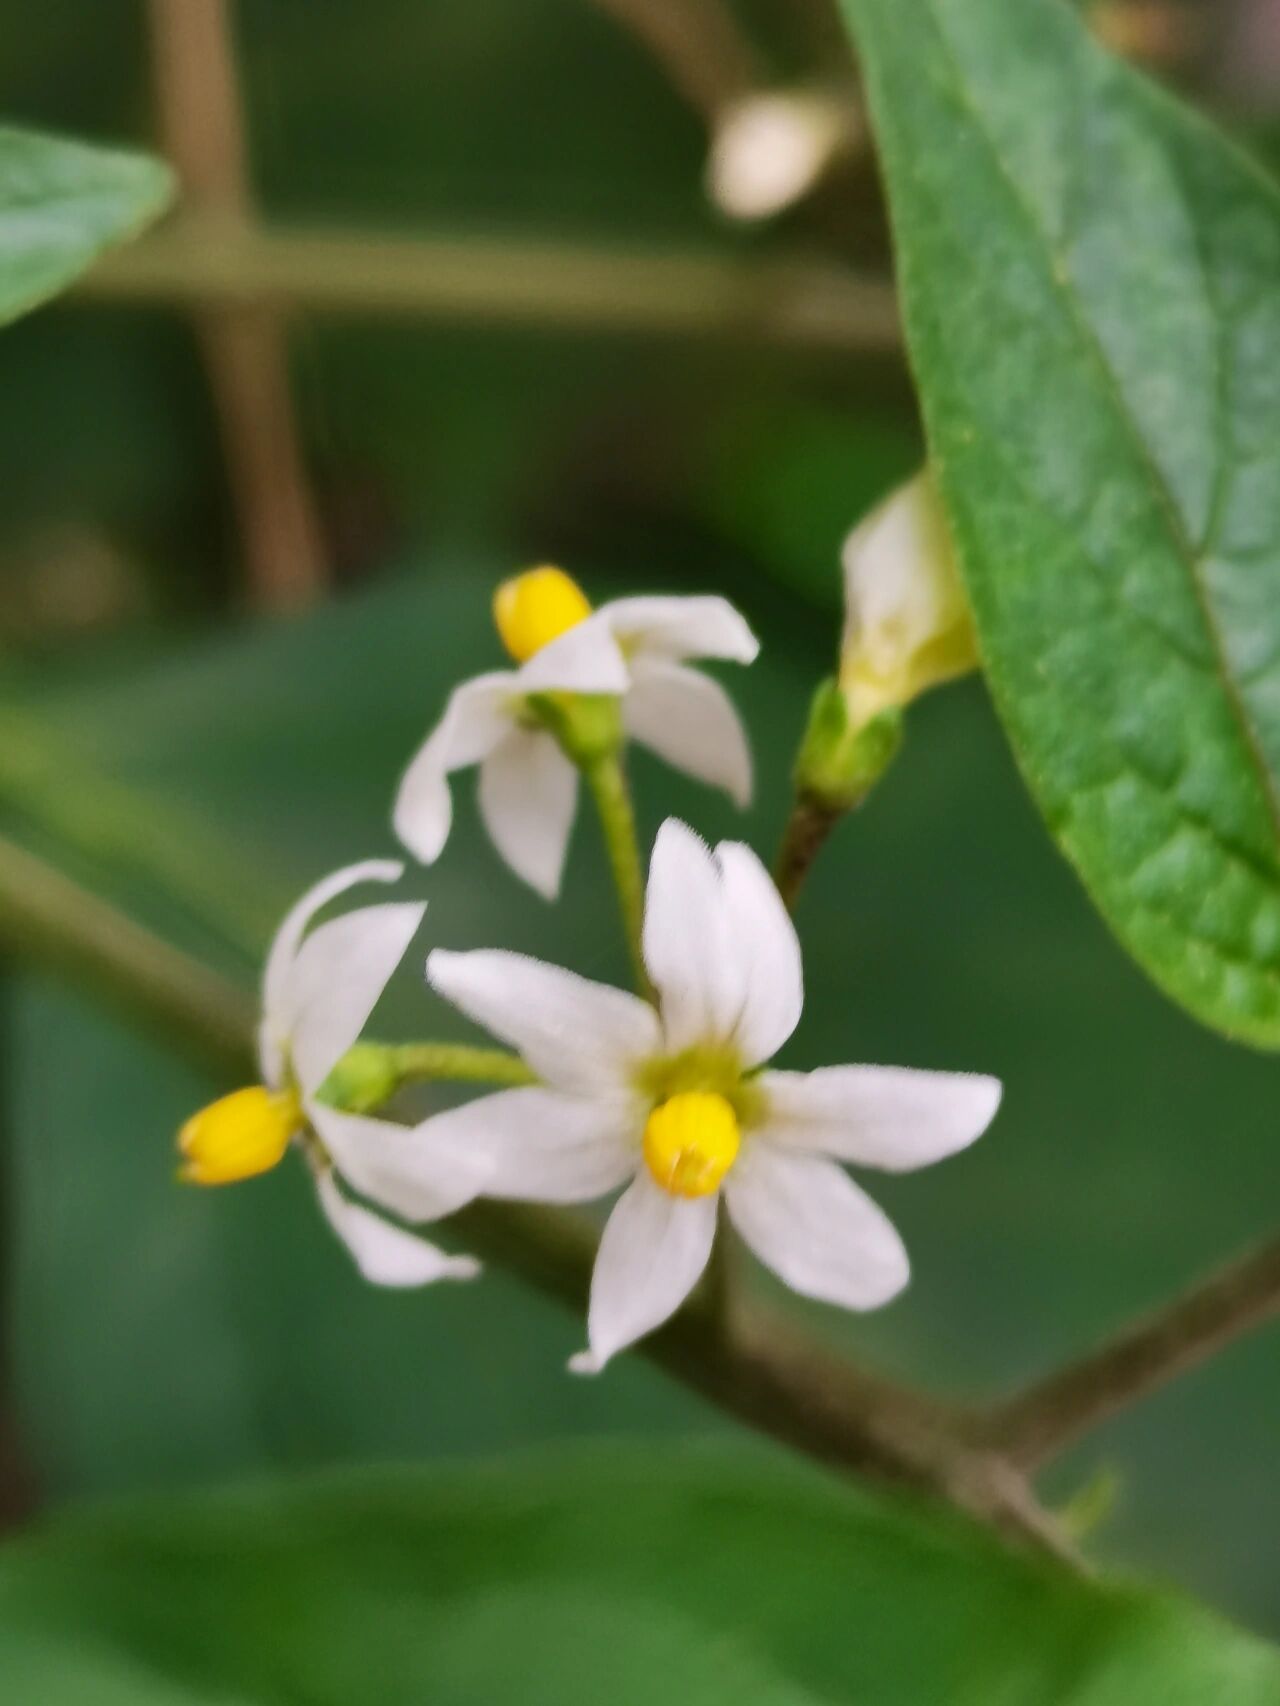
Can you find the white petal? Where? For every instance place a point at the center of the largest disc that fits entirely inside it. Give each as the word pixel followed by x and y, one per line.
pixel 273 1037
pixel 386 1254
pixel 576 1034
pixel 584 659
pixel 528 791
pixel 418 1172
pixel 479 714
pixel 880 1116
pixel 543 1146
pixel 334 983
pixel 686 945
pixel 652 1254
pixel 689 720
pixel 809 1222
pixel 766 950
pixel 676 628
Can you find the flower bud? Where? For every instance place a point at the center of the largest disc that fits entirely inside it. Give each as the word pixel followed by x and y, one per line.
pixel 770 150
pixel 238 1136
pixel 536 607
pixel 907 622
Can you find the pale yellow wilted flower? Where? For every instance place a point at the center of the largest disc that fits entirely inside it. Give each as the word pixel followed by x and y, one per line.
pixel 907 621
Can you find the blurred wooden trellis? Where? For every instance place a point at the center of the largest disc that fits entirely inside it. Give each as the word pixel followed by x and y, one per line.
pixel 239 280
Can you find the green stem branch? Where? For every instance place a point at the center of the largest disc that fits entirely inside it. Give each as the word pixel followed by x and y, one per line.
pixel 607 780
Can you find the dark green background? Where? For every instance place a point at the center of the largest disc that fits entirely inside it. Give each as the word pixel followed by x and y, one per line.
pixel 159 1337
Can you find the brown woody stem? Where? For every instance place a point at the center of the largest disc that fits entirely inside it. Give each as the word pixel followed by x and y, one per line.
pixel 1035 1425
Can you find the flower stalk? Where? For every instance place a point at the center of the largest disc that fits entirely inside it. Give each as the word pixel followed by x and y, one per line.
pixel 370 1074
pixel 607 780
pixel 838 764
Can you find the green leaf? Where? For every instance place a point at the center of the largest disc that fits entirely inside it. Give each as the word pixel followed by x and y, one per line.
pixel 629 1579
pixel 1089 279
pixel 61 204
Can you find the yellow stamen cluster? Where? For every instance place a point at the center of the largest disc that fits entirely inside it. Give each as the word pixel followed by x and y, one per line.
pixel 691 1141
pixel 534 608
pixel 238 1136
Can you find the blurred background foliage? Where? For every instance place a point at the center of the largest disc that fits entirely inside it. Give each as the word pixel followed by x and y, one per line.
pixel 199 760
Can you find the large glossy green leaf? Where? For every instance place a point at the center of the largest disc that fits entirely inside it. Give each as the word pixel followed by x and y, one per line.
pixel 627 1579
pixel 1090 282
pixel 61 204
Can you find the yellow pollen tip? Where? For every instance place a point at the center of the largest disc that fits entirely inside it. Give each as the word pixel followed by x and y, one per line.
pixel 691 1141
pixel 534 608
pixel 238 1136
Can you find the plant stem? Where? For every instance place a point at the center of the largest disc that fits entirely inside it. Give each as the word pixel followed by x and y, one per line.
pixel 416 1062
pixel 483 281
pixel 1035 1425
pixel 202 123
pixel 607 780
pixel 52 922
pixel 804 837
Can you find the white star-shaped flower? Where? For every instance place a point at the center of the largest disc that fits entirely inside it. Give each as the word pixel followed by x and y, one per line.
pixel 319 988
pixel 635 650
pixel 668 1100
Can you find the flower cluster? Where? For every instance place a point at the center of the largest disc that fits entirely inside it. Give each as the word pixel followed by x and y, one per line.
pixel 666 1095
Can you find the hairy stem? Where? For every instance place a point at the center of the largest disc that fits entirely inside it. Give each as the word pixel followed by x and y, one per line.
pixel 607 780
pixel 804 837
pixel 415 1062
pixel 1035 1425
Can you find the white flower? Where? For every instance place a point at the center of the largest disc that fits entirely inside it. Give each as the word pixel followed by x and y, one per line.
pixel 907 623
pixel 669 1099
pixel 769 150
pixel 319 988
pixel 633 648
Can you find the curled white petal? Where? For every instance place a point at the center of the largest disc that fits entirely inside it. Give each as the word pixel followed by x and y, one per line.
pixel 763 943
pixel 770 149
pixel 577 1034
pixel 334 983
pixel 584 659
pixel 528 792
pixel 544 1146
pixel 690 720
pixel 654 1249
pixel 273 1035
pixel 807 1220
pixel 907 622
pixel 686 944
pixel 878 1116
pixel 386 1254
pixel 478 715
pixel 418 1172
pixel 671 629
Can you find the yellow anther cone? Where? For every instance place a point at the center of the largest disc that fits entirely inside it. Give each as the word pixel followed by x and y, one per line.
pixel 690 1143
pixel 238 1136
pixel 536 607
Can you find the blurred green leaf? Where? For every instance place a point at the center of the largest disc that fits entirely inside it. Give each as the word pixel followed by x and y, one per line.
pixel 1089 276
pixel 61 204
pixel 627 1579
pixel 160 1336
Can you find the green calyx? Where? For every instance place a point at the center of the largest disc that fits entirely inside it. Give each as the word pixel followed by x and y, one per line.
pixel 714 1070
pixel 367 1076
pixel 839 761
pixel 587 726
